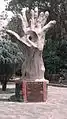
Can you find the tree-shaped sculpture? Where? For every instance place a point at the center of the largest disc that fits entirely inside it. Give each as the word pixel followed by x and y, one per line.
pixel 34 41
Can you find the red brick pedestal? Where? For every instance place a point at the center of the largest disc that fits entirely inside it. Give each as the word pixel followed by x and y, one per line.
pixel 34 91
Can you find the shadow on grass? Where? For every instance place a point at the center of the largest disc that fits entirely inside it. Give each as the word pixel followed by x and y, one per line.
pixel 9 95
pixel 8 91
pixel 4 100
pixel 14 99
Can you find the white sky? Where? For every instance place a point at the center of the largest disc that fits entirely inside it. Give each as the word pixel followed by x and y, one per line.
pixel 2 5
pixel 9 13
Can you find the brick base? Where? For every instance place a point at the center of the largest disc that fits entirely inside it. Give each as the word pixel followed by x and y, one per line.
pixel 34 91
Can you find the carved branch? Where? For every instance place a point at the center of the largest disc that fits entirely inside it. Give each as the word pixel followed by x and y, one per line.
pixel 23 22
pixel 27 42
pixel 32 19
pixel 45 16
pixel 35 15
pixel 32 43
pixel 41 16
pixel 22 40
pixel 36 12
pixel 49 25
pixel 14 34
pixel 24 18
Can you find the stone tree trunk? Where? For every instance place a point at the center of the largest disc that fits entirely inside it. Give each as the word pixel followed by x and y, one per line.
pixel 33 41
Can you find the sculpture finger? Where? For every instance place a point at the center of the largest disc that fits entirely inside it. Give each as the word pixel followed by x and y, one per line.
pixel 39 21
pixel 32 19
pixel 44 18
pixel 32 43
pixel 35 14
pixel 22 40
pixel 41 17
pixel 24 19
pixel 49 25
pixel 23 22
pixel 13 33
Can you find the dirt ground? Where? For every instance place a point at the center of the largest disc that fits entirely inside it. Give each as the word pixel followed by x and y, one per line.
pixel 54 108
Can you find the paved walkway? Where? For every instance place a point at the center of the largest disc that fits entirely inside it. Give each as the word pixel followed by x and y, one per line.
pixel 54 108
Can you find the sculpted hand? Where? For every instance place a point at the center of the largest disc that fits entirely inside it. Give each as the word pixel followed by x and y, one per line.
pixel 35 30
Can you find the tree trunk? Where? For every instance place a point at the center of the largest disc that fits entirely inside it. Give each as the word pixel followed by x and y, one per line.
pixel 4 85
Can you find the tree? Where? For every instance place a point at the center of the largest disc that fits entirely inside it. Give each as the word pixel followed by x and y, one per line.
pixel 62 53
pixel 51 59
pixel 11 58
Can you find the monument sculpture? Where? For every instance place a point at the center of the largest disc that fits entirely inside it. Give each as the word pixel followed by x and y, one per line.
pixel 34 40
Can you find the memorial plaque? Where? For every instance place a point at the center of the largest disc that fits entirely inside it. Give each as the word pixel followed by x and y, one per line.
pixel 34 91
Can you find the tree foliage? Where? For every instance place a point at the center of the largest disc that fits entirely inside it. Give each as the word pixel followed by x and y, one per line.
pixel 55 56
pixel 10 57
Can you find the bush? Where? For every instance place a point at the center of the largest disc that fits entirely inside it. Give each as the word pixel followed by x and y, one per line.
pixel 51 59
pixel 11 59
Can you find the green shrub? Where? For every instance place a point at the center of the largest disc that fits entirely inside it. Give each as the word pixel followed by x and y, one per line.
pixel 11 59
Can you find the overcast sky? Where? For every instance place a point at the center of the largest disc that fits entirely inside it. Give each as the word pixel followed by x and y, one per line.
pixel 2 5
pixel 9 13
